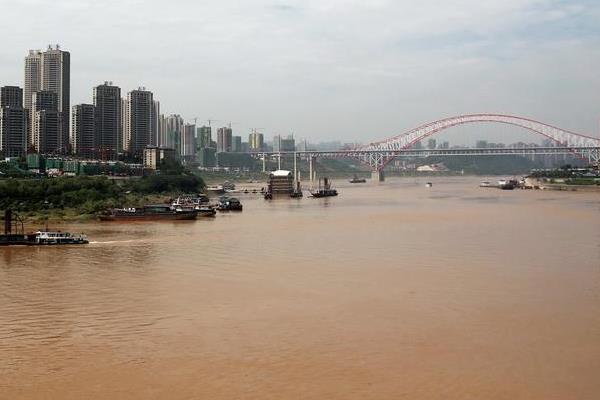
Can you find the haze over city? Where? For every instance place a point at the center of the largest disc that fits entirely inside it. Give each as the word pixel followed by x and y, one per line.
pixel 328 70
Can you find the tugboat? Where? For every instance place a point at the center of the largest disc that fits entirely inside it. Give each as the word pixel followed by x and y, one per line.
pixel 229 204
pixel 151 212
pixel 356 179
pixel 324 190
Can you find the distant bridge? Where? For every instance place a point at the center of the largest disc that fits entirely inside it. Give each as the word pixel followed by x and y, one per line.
pixel 378 154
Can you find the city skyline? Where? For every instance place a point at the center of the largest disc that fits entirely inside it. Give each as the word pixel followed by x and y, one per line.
pixel 314 74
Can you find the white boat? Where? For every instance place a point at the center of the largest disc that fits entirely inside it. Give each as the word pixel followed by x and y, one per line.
pixel 49 237
pixel 428 184
pixel 217 189
pixel 198 203
pixel 485 184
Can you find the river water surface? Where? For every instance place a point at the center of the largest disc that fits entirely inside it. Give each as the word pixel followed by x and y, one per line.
pixel 388 291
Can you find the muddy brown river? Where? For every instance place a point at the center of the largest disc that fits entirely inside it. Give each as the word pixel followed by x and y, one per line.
pixel 388 291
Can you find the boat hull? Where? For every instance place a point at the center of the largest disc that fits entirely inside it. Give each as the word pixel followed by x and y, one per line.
pixel 151 217
pixel 234 208
pixel 30 240
pixel 324 194
pixel 206 213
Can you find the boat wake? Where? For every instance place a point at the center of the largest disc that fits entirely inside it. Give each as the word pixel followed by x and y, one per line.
pixel 116 241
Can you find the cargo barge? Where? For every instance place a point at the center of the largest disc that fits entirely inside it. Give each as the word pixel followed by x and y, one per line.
pixel 153 212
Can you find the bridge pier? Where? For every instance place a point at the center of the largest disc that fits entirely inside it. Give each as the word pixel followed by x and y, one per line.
pixel 378 176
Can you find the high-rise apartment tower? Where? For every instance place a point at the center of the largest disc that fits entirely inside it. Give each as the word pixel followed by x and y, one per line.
pixel 107 103
pixel 138 121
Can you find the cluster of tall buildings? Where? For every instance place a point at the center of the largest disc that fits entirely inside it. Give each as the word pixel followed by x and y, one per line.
pixel 229 143
pixel 38 116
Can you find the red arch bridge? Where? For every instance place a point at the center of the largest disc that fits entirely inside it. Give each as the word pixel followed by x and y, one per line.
pixel 378 154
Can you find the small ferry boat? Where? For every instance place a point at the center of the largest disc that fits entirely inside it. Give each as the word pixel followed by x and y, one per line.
pixel 229 204
pixel 43 237
pixel 324 189
pixel 58 237
pixel 356 179
pixel 152 212
pixel 507 184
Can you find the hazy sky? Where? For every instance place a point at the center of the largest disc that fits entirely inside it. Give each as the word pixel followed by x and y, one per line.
pixel 351 70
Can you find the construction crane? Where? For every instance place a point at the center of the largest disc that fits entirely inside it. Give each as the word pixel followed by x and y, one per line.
pixel 210 121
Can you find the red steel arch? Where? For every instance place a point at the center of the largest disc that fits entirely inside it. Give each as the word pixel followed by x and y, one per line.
pixel 407 139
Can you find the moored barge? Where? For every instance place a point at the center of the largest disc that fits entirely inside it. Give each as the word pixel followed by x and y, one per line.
pixel 152 212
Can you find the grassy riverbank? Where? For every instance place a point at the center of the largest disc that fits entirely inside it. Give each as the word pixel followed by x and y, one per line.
pixel 81 198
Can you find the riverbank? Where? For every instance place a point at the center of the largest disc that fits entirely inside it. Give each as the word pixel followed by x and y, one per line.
pixel 82 198
pixel 551 184
pixel 56 216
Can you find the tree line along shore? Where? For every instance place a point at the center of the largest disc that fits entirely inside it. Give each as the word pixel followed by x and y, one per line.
pixel 83 197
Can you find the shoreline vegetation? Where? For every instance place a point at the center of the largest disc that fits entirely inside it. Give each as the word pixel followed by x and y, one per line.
pixel 57 199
